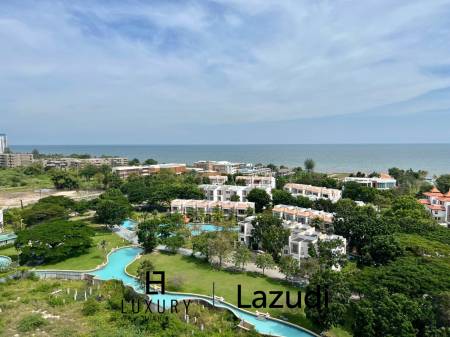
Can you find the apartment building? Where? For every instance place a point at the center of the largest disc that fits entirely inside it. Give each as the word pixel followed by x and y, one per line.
pixel 258 181
pixel 63 163
pixel 3 143
pixel 384 182
pixel 222 167
pixel 300 238
pixel 218 180
pixel 144 170
pixel 300 214
pixel 226 192
pixel 11 160
pixel 240 209
pixel 250 170
pixel 313 192
pixel 438 204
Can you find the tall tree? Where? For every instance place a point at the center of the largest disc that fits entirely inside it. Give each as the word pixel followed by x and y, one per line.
pixel 264 261
pixel 241 256
pixel 260 198
pixel 443 183
pixel 148 235
pixel 268 233
pixel 309 165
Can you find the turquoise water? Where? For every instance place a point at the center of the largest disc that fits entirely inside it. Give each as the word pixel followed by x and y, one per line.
pixel 9 236
pixel 204 228
pixel 115 269
pixel 433 158
pixel 129 224
pixel 5 262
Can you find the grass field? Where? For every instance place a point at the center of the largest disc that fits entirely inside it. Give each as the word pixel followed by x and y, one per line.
pixel 16 180
pixel 198 276
pixel 95 256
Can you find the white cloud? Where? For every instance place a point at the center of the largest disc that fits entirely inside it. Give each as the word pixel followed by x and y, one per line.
pixel 215 61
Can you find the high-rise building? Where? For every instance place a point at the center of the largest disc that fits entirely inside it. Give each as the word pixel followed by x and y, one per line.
pixel 3 142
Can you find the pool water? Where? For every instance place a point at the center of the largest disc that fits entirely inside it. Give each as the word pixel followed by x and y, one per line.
pixel 5 262
pixel 115 269
pixel 129 224
pixel 204 228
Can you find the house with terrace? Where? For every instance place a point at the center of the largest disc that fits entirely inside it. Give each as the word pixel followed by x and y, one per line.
pixel 207 207
pixel 438 204
pixel 313 192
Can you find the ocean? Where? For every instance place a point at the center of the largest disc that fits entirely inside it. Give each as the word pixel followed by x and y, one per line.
pixel 434 158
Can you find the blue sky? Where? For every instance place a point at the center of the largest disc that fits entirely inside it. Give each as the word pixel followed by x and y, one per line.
pixel 108 72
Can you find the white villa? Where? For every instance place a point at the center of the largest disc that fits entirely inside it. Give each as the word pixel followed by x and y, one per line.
pixel 207 207
pixel 225 192
pixel 384 182
pixel 313 192
pixel 302 236
pixel 438 204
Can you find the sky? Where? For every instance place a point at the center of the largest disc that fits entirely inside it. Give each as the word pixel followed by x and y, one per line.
pixel 224 71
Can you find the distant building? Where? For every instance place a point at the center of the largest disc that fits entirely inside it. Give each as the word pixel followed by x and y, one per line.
pixel 222 167
pixel 240 209
pixel 250 170
pixel 3 143
pixel 63 163
pixel 11 160
pixel 313 192
pixel 258 181
pixel 438 204
pixel 145 170
pixel 384 182
pixel 218 180
pixel 225 192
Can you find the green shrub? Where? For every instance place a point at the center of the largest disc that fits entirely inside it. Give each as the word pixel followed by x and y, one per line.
pixel 55 301
pixel 90 307
pixel 30 322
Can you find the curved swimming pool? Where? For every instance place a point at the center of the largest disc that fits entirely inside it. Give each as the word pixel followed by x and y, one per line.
pixel 115 269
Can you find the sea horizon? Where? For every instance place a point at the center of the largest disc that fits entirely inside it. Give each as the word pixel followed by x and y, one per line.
pixel 330 158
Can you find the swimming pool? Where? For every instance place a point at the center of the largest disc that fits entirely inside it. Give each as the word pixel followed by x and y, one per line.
pixel 129 224
pixel 115 269
pixel 5 262
pixel 206 227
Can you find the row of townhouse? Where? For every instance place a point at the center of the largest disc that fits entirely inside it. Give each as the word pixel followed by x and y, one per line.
pixel 438 204
pixel 63 163
pixel 145 170
pixel 383 182
pixel 313 192
pixel 190 206
pixel 226 192
pixel 300 214
pixel 253 181
pixel 301 237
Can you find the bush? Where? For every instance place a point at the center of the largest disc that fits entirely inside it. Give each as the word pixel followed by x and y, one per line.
pixel 55 301
pixel 30 322
pixel 90 307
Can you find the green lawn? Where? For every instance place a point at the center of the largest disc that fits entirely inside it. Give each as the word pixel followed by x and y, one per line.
pixel 16 180
pixel 198 276
pixel 95 256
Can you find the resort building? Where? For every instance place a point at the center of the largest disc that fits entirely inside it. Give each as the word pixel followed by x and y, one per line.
pixel 226 192
pixel 300 238
pixel 384 182
pixel 11 160
pixel 438 204
pixel 3 143
pixel 63 163
pixel 250 170
pixel 240 209
pixel 300 214
pixel 222 167
pixel 258 181
pixel 146 170
pixel 313 192
pixel 218 180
